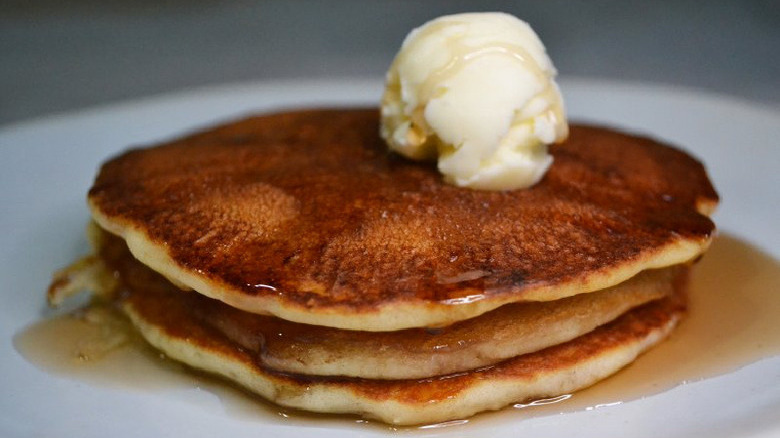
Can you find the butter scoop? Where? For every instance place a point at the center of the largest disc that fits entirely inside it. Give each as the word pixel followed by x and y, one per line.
pixel 476 90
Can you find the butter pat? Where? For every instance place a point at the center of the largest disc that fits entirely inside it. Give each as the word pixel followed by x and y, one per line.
pixel 477 91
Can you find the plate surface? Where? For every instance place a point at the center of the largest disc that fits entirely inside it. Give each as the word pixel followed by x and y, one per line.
pixel 48 165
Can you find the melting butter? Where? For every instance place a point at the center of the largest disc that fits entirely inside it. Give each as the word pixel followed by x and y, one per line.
pixel 477 91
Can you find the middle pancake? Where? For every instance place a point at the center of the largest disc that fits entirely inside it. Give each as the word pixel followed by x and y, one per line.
pixel 506 332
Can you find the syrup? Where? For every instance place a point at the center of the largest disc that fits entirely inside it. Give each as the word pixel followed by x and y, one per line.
pixel 732 322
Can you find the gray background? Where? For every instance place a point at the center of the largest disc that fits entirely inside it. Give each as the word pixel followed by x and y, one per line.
pixel 58 56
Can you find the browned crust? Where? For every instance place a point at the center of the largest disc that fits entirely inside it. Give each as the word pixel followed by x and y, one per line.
pixel 308 211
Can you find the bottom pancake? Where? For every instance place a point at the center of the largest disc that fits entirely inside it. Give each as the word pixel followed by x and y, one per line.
pixel 553 371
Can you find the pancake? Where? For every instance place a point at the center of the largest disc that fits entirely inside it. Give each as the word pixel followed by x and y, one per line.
pixel 560 369
pixel 305 216
pixel 289 347
pixel 294 255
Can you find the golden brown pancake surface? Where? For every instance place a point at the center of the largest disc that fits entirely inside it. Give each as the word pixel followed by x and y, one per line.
pixel 307 216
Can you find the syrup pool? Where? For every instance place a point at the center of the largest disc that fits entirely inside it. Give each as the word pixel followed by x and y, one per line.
pixel 734 320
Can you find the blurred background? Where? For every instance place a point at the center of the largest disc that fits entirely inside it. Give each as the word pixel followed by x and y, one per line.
pixel 63 55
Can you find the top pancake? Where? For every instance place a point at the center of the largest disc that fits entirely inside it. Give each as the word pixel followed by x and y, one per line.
pixel 306 215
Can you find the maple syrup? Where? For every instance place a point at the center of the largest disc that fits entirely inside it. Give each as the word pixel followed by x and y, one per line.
pixel 732 322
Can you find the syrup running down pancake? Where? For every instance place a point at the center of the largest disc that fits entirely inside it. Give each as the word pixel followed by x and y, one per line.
pixel 294 255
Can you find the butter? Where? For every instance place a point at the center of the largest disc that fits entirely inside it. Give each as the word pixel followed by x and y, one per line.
pixel 476 91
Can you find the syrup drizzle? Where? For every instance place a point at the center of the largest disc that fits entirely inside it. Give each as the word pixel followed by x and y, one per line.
pixel 734 304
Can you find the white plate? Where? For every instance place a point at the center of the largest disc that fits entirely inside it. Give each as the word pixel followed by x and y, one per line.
pixel 47 166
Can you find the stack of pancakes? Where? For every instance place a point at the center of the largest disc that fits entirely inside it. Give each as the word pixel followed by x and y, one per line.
pixel 293 254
